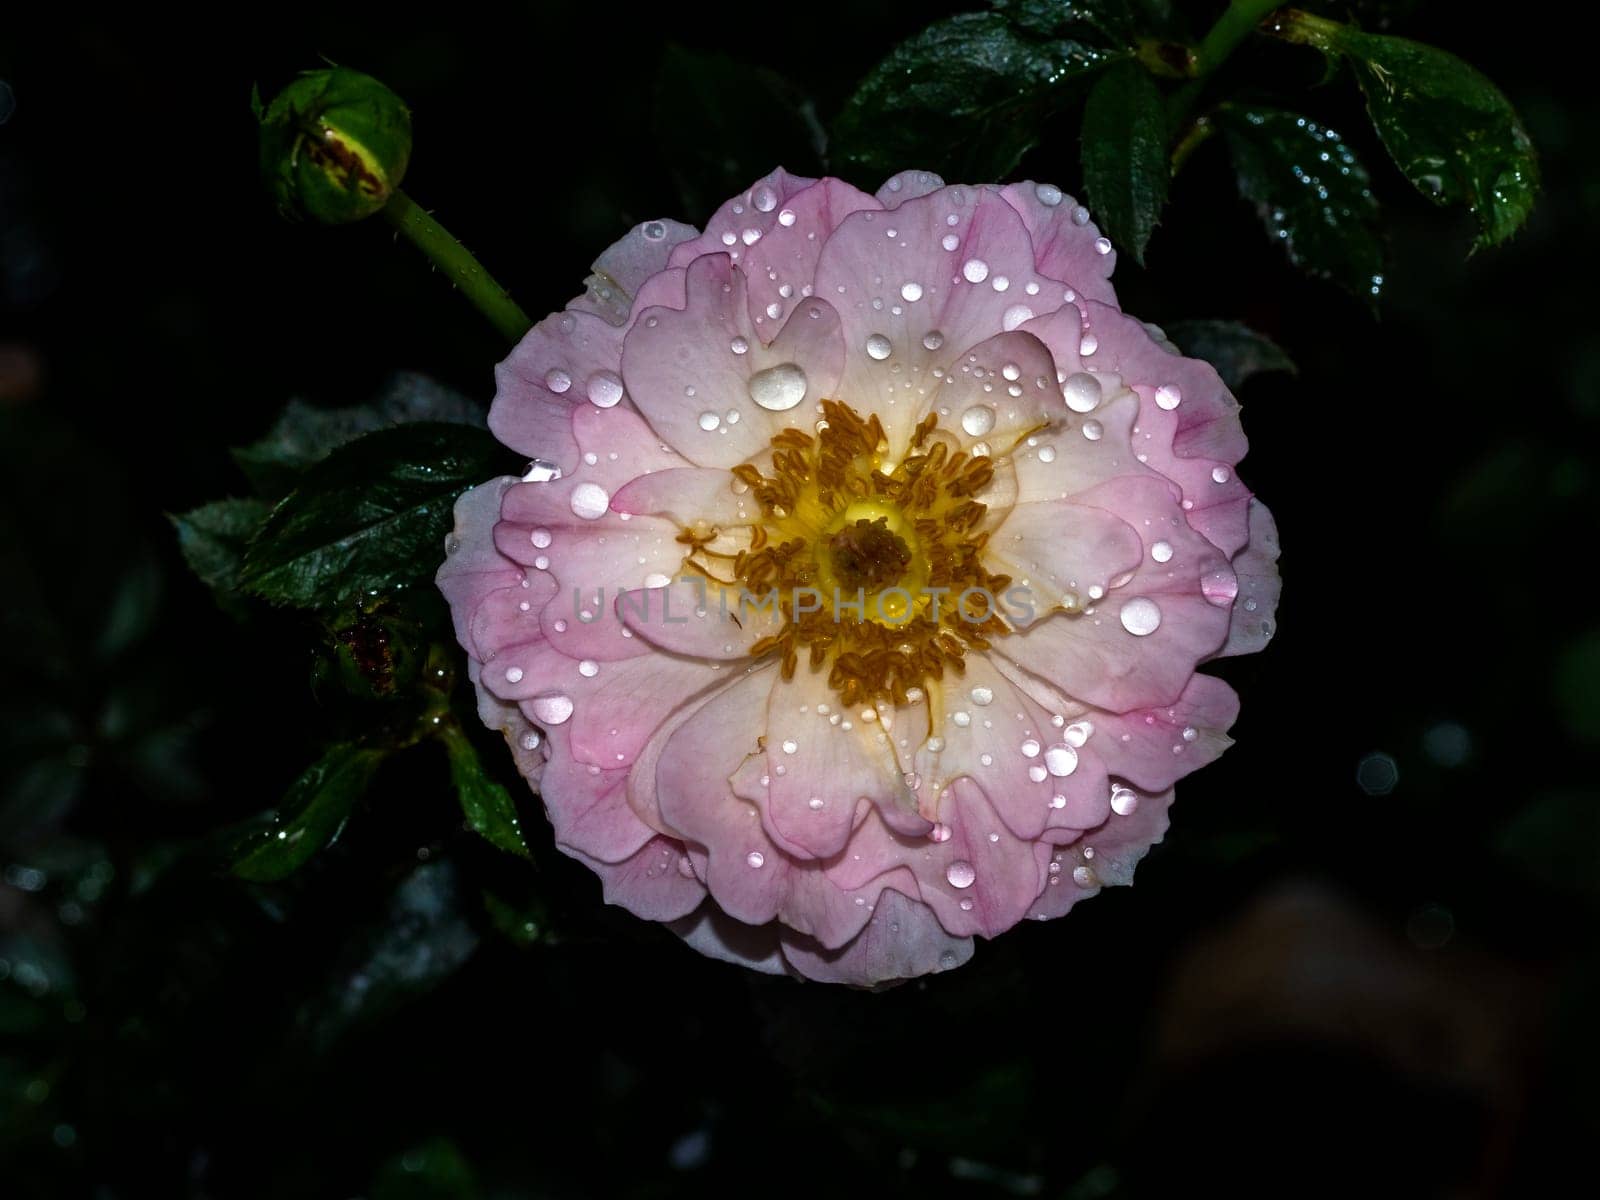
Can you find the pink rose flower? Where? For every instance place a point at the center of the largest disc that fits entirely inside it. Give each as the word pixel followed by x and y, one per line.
pixel 852 604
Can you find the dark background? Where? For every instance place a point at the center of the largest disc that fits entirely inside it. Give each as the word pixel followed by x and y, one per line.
pixel 1363 960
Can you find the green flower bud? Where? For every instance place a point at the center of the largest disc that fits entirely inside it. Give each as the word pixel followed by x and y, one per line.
pixel 334 146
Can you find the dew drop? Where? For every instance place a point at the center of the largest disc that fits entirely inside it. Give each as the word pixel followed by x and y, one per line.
pixel 978 420
pixel 1168 396
pixel 557 380
pixel 540 537
pixel 960 874
pixel 1082 392
pixel 1124 801
pixel 590 501
pixel 1140 616
pixel 1220 474
pixel 878 347
pixel 911 292
pixel 513 674
pixel 739 345
pixel 981 696
pixel 588 668
pixel 950 242
pixel 975 270
pixel 786 217
pixel 709 421
pixel 779 388
pixel 1093 430
pixel 1049 194
pixel 1161 552
pixel 1061 760
pixel 553 710
pixel 756 859
pixel 933 339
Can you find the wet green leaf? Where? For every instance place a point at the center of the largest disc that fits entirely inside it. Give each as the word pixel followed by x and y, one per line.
pixel 213 538
pixel 304 434
pixel 422 939
pixel 1124 144
pixel 1234 349
pixel 488 807
pixel 1120 21
pixel 313 812
pixel 370 517
pixel 967 97
pixel 1312 194
pixel 1451 132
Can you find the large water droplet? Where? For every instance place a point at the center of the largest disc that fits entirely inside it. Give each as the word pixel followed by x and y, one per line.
pixel 960 874
pixel 1161 552
pixel 557 380
pixel 1140 616
pixel 1082 392
pixel 709 421
pixel 590 501
pixel 1061 760
pixel 911 292
pixel 978 420
pixel 1124 801
pixel 879 347
pixel 981 696
pixel 1168 396
pixel 553 710
pixel 975 270
pixel 605 389
pixel 756 859
pixel 779 388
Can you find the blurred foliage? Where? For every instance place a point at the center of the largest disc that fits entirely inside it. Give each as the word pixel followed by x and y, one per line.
pixel 436 1003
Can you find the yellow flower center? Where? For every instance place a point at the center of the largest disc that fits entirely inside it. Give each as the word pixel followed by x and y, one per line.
pixel 875 566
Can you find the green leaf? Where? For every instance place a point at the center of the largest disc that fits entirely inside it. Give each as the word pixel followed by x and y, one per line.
pixel 213 538
pixel 1451 132
pixel 1120 21
pixel 967 97
pixel 370 517
pixel 488 807
pixel 1312 193
pixel 422 939
pixel 1235 350
pixel 304 435
pixel 311 816
pixel 722 122
pixel 1125 170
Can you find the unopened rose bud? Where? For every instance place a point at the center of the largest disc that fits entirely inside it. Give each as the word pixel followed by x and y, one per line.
pixel 334 146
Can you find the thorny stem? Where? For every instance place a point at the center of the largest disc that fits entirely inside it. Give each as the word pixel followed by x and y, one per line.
pixel 456 261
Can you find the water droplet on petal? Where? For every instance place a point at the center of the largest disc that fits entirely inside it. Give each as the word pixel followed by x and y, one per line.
pixel 1061 760
pixel 513 674
pixel 1124 801
pixel 879 347
pixel 981 696
pixel 1161 552
pixel 553 710
pixel 960 874
pixel 911 292
pixel 557 380
pixel 540 537
pixel 1082 392
pixel 590 501
pixel 933 339
pixel 739 345
pixel 779 388
pixel 975 270
pixel 709 421
pixel 588 668
pixel 605 389
pixel 756 859
pixel 1168 396
pixel 1049 194
pixel 978 420
pixel 1140 616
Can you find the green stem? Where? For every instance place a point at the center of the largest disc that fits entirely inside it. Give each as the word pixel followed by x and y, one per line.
pixel 1232 27
pixel 456 261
